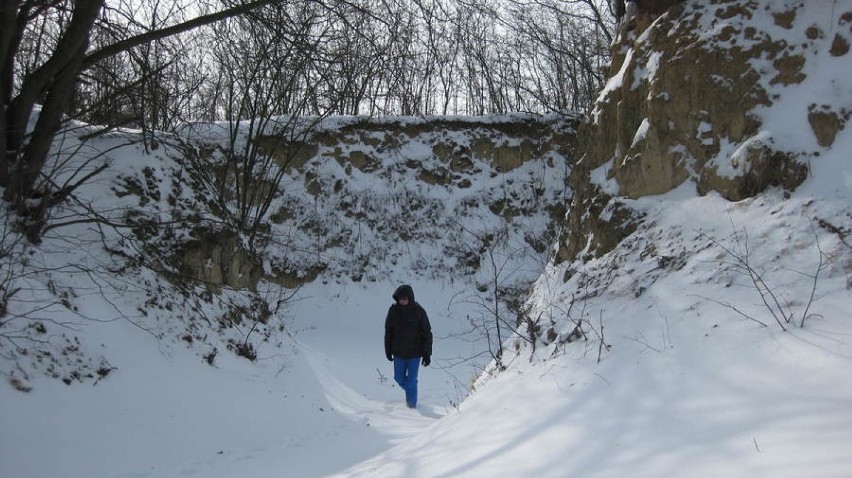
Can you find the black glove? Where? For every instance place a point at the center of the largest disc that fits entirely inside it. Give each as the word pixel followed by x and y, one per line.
pixel 426 361
pixel 389 356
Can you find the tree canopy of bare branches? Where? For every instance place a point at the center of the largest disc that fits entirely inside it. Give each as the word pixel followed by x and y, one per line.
pixel 154 64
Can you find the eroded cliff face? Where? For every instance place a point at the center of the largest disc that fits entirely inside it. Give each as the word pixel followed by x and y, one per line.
pixel 694 96
pixel 359 195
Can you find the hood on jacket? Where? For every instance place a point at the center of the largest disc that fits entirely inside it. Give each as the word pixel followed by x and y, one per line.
pixel 404 290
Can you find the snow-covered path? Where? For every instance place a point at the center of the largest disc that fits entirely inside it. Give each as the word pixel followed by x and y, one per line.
pixel 390 418
pixel 320 403
pixel 341 335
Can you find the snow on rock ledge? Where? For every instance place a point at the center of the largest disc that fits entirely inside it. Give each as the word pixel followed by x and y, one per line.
pixel 728 94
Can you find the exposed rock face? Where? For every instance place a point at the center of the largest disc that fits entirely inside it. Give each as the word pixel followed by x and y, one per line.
pixel 826 121
pixel 648 10
pixel 219 259
pixel 359 193
pixel 505 145
pixel 684 103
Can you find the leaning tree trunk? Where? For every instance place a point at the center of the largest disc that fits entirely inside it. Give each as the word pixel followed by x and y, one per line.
pixel 52 83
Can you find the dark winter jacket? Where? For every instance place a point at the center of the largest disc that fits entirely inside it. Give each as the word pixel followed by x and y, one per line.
pixel 408 333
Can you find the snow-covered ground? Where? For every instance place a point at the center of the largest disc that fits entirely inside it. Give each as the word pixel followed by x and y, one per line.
pixel 686 388
pixel 314 406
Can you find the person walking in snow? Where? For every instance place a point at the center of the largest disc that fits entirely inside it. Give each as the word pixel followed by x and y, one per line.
pixel 408 341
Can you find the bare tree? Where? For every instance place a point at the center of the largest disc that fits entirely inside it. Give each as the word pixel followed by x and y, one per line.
pixel 51 83
pixel 276 68
pixel 108 63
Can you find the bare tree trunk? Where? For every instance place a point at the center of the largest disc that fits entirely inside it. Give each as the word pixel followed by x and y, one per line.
pixel 9 40
pixel 56 78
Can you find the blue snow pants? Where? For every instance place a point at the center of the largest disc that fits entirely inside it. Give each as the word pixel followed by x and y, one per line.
pixel 405 374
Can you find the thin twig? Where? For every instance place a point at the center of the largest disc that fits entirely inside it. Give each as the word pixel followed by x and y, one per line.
pixel 814 285
pixel 732 307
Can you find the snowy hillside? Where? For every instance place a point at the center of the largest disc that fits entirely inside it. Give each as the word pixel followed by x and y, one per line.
pixel 667 379
pixel 713 339
pixel 125 349
pixel 154 242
